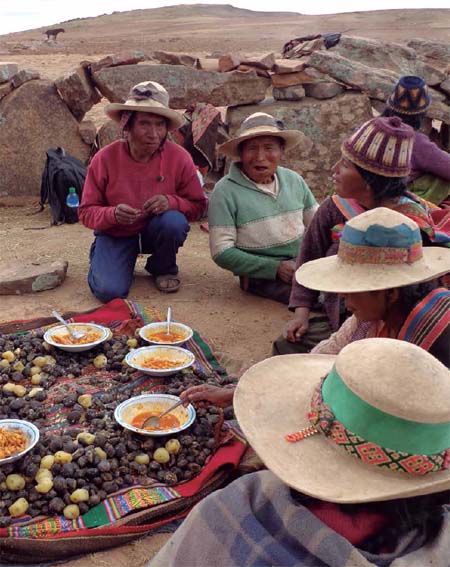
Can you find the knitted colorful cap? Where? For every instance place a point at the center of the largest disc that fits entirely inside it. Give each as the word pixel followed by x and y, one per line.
pixel 382 145
pixel 410 96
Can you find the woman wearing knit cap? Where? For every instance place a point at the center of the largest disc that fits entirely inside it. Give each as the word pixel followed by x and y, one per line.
pixel 140 192
pixel 357 448
pixel 430 166
pixel 372 172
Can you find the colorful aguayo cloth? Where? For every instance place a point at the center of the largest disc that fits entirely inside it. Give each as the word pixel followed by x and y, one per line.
pixel 132 511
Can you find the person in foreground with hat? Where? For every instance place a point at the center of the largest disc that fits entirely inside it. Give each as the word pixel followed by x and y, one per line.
pixel 258 212
pixel 430 166
pixel 140 192
pixel 358 452
pixel 372 172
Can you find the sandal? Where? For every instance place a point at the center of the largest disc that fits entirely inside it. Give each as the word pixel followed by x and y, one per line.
pixel 162 283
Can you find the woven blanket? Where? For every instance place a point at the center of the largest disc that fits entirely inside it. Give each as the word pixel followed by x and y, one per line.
pixel 134 510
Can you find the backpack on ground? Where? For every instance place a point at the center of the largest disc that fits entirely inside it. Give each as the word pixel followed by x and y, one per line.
pixel 61 172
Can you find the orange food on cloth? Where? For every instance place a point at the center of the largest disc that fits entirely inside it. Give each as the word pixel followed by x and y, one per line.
pixel 162 337
pixel 168 421
pixel 161 363
pixel 12 441
pixel 90 336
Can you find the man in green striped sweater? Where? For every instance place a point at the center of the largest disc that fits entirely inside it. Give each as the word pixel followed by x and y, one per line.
pixel 259 211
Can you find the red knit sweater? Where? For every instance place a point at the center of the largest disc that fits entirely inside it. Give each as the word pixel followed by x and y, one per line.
pixel 114 177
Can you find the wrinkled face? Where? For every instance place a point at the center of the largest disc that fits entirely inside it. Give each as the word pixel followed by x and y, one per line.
pixel 348 182
pixel 147 131
pixel 368 305
pixel 260 157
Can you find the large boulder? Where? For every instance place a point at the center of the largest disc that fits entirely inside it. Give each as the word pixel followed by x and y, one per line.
pixel 7 71
pixel 116 59
pixel 436 53
pixel 185 85
pixel 33 119
pixel 325 122
pixel 77 91
pixel 17 278
pixel 107 133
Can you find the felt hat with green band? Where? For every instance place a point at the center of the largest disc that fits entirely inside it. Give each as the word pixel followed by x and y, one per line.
pixel 374 421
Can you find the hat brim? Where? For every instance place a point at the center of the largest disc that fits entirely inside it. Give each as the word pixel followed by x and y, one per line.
pixel 333 275
pixel 115 109
pixel 273 398
pixel 292 139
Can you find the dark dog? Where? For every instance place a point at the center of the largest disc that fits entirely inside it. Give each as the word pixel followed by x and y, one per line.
pixel 53 33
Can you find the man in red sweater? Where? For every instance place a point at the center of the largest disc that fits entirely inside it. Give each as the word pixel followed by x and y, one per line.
pixel 140 192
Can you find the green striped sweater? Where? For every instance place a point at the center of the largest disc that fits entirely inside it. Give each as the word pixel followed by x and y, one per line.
pixel 252 231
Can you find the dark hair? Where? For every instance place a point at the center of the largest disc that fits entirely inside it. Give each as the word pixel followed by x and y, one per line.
pixel 281 141
pixel 413 120
pixel 422 513
pixel 383 188
pixel 410 295
pixel 132 119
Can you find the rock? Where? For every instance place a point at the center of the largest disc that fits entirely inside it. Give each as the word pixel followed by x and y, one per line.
pixel 77 91
pixel 377 83
pixel 7 71
pixel 435 52
pixel 323 90
pixel 438 109
pixel 445 85
pixel 284 80
pixel 305 76
pixel 16 279
pixel 28 130
pixel 5 89
pixel 185 85
pixel 88 131
pixel 169 58
pixel 107 133
pixel 296 92
pixel 208 64
pixel 228 63
pixel 386 55
pixel 23 76
pixel 123 58
pixel 266 61
pixel 325 122
pixel 289 65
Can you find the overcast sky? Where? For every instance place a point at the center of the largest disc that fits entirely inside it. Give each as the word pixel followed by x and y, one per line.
pixel 19 15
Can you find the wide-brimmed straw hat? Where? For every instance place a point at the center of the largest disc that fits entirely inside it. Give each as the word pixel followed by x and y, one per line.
pixel 148 96
pixel 261 124
pixel 371 424
pixel 378 249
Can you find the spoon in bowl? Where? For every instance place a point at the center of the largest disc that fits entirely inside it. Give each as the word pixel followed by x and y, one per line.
pixel 154 420
pixel 76 335
pixel 169 316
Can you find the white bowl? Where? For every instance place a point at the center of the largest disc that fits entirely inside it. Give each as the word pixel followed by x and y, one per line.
pixel 127 410
pixel 135 356
pixel 30 431
pixel 61 330
pixel 162 326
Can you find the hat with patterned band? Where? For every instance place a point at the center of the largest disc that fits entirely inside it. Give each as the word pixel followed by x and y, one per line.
pixel 378 249
pixel 148 96
pixel 382 145
pixel 372 423
pixel 261 124
pixel 410 96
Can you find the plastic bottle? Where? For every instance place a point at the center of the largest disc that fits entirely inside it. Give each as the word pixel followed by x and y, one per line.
pixel 72 199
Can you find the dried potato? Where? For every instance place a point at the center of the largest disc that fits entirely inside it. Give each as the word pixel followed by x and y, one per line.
pixel 18 366
pixel 4 363
pixel 34 391
pixel 8 387
pixel 161 456
pixel 100 361
pixel 35 370
pixel 44 485
pixel 8 355
pixel 62 457
pixel 19 391
pixel 100 453
pixel 18 508
pixel 71 512
pixel 15 482
pixel 132 343
pixel 47 462
pixel 85 400
pixel 142 459
pixel 36 379
pixel 40 361
pixel 86 438
pixel 79 495
pixel 41 474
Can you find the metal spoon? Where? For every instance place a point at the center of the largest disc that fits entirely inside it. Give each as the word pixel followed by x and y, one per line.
pixel 77 335
pixel 153 420
pixel 169 316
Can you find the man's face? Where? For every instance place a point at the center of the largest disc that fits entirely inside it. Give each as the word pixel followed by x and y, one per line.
pixel 147 131
pixel 348 182
pixel 260 157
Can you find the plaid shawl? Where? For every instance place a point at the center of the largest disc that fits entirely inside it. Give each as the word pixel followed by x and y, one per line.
pixel 254 522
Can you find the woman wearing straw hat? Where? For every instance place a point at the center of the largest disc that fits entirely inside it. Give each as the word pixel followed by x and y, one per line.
pixel 430 166
pixel 258 212
pixel 358 452
pixel 372 172
pixel 140 193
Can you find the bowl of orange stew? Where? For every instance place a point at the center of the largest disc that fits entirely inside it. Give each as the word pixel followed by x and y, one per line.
pixel 156 333
pixel 132 413
pixel 60 337
pixel 17 437
pixel 160 360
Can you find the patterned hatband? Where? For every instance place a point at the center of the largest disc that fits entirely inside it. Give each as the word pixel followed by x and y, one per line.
pixel 383 146
pixel 410 96
pixel 324 421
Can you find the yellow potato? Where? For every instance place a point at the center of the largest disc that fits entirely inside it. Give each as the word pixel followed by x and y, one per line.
pixel 9 387
pixel 17 351
pixel 50 360
pixel 34 391
pixel 4 363
pixel 8 355
pixel 161 456
pixel 85 400
pixel 86 437
pixel 40 361
pixel 43 474
pixel 35 370
pixel 18 366
pixel 19 390
pixel 15 482
pixel 62 457
pixel 142 459
pixel 18 508
pixel 100 361
pixel 100 453
pixel 71 512
pixel 47 462
pixel 44 485
pixel 36 379
pixel 46 346
pixel 173 446
pixel 132 343
pixel 79 495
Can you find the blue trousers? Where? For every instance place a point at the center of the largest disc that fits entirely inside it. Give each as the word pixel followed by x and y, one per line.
pixel 113 258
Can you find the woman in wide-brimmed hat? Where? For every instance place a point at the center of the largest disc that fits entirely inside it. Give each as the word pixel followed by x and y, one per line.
pixel 358 452
pixel 372 172
pixel 140 193
pixel 258 212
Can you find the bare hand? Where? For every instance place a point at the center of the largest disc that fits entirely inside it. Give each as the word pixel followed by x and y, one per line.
pixel 126 215
pixel 221 397
pixel 156 205
pixel 286 270
pixel 298 326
